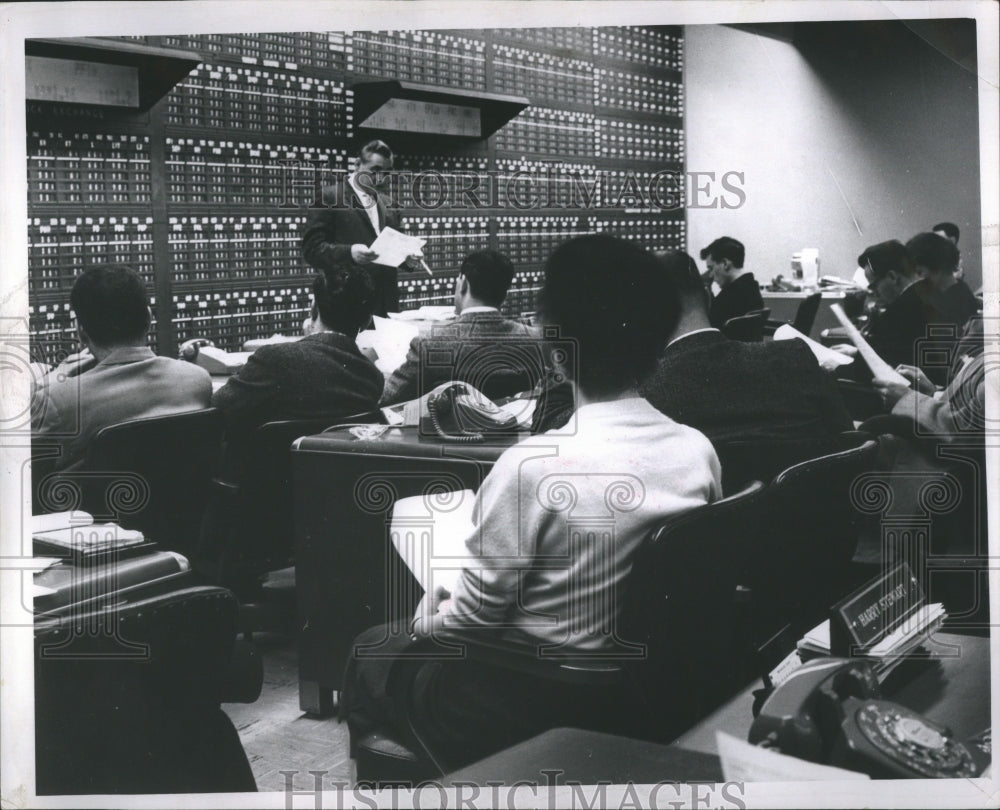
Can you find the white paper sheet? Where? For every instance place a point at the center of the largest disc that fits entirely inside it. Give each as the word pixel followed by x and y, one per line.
pixel 825 355
pixel 391 340
pixel 393 247
pixel 429 532
pixel 878 366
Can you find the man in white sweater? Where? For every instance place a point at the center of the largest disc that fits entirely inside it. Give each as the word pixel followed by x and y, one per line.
pixel 559 518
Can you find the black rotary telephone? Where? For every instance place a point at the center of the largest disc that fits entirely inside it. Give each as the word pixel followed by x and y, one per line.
pixel 458 412
pixel 829 710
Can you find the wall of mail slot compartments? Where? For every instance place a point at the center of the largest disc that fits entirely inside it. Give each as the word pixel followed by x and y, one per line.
pixel 205 195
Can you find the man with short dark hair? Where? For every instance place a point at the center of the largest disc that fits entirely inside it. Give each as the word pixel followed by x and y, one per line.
pixel 729 389
pixel 936 258
pixel 349 218
pixel 739 292
pixel 481 347
pixel 322 375
pixel 910 302
pixel 117 378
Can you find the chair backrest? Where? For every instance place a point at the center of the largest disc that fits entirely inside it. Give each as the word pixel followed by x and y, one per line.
pixel 748 328
pixel 127 699
pixel 153 474
pixel 682 601
pixel 803 563
pixel 805 315
pixel 745 460
pixel 263 539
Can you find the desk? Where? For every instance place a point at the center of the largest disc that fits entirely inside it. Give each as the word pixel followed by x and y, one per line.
pixel 348 576
pixel 952 691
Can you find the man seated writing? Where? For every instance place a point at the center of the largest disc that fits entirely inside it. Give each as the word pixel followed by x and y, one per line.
pixel 117 378
pixel 621 459
pixel 481 347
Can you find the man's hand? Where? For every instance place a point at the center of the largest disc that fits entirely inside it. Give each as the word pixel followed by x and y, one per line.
pixel 848 349
pixel 918 380
pixel 362 254
pixel 891 391
pixel 414 261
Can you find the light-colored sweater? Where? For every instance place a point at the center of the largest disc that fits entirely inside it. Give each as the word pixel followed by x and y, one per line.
pixel 560 516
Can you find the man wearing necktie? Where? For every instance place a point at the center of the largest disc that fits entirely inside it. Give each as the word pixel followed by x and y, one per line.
pixel 348 219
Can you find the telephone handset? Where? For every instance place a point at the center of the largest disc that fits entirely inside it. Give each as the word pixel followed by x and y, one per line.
pixel 458 412
pixel 190 349
pixel 829 710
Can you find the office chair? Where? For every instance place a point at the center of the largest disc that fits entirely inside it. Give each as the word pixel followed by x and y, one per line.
pixel 805 316
pixel 681 594
pixel 761 459
pixel 802 561
pixel 150 474
pixel 127 697
pixel 749 328
pixel 249 531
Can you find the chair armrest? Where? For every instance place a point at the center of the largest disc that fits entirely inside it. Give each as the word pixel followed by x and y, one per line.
pixel 225 488
pixel 243 680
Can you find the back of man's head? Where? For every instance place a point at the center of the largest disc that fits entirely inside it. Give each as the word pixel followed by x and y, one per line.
pixel 725 247
pixel 345 299
pixel 886 257
pixel 948 229
pixel 489 274
pixel 111 305
pixel 612 299
pixel 934 253
pixel 683 275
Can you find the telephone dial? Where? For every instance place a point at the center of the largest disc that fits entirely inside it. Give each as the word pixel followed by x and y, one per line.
pixel 830 710
pixel 458 412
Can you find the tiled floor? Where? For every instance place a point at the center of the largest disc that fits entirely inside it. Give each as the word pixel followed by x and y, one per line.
pixel 277 736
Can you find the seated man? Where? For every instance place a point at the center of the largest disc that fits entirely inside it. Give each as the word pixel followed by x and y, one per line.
pixel 728 389
pixel 739 291
pixel 322 375
pixel 936 259
pixel 117 378
pixel 951 232
pixel 610 297
pixel 481 347
pixel 911 304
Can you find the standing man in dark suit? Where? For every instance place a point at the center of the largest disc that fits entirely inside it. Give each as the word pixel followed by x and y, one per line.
pixel 739 292
pixel 350 217
pixel 481 347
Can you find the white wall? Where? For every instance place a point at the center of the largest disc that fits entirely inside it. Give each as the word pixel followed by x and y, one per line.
pixel 839 150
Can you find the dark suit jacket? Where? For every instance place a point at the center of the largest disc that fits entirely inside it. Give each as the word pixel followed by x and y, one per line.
pixel 960 303
pixel 896 331
pixel 730 390
pixel 494 354
pixel 318 376
pixel 339 221
pixel 738 298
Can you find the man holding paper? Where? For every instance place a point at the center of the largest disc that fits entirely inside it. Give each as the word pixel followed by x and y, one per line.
pixel 351 216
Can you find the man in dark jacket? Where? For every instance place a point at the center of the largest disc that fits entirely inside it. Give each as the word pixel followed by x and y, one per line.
pixel 322 375
pixel 481 347
pixel 911 305
pixel 348 219
pixel 731 390
pixel 739 291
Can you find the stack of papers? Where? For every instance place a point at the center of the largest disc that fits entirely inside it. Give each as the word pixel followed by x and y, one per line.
pixel 76 533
